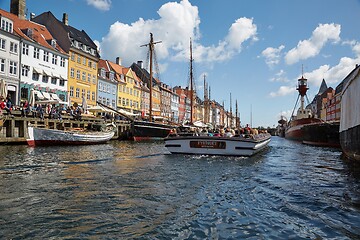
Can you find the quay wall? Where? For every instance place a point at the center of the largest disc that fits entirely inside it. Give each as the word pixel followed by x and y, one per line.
pixel 14 130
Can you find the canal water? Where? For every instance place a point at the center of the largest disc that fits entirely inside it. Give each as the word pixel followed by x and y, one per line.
pixel 126 190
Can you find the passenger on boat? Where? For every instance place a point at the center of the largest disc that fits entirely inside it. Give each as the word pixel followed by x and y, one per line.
pixel 228 132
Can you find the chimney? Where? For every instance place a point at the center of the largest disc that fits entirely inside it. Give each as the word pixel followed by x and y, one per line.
pixel 18 7
pixel 65 19
pixel 140 64
pixel 32 15
pixel 118 61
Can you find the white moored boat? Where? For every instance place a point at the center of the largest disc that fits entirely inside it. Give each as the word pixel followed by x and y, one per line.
pixel 210 145
pixel 53 137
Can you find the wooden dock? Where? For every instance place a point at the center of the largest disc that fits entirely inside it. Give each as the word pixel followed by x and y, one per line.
pixel 14 130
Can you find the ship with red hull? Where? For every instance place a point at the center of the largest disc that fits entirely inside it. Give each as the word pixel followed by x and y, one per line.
pixel 307 128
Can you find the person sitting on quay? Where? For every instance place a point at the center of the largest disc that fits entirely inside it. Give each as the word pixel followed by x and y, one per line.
pixel 4 106
pixel 24 108
pixel 40 111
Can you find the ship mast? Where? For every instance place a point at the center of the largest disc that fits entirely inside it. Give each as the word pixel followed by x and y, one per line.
pixel 302 89
pixel 151 51
pixel 191 85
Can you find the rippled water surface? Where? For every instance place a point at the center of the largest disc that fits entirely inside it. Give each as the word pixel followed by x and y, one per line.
pixel 126 190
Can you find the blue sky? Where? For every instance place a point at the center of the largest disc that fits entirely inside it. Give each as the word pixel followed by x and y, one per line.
pixel 253 49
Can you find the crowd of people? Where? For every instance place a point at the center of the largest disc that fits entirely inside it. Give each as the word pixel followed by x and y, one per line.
pixel 52 111
pixel 246 131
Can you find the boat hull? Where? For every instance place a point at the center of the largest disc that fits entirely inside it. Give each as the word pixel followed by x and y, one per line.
pixel 324 134
pixel 207 145
pixel 145 131
pixel 350 142
pixel 295 131
pixel 350 117
pixel 53 137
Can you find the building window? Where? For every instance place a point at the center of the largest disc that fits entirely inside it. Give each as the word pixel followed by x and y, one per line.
pixel 72 56
pixel 53 80
pixel 2 43
pixel 62 62
pixel 94 79
pixel 102 73
pixel 36 53
pixel 77 93
pixel 35 76
pixel 89 64
pixel 78 74
pixel 6 25
pixel 78 59
pixel 93 96
pixel 54 59
pixel 84 61
pixel 62 82
pixel 111 76
pixel 82 93
pixel 25 70
pixel 2 65
pixel 45 79
pixel 13 47
pixel 46 56
pixel 13 68
pixel 89 77
pixel 71 91
pixel 119 100
pixel 84 76
pixel 25 49
pixel 100 86
pixel 72 73
pixel 88 95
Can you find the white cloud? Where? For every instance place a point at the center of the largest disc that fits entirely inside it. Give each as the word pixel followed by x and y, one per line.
pixel 280 77
pixel 283 91
pixel 332 76
pixel 177 22
pixel 272 55
pixel 312 46
pixel 103 5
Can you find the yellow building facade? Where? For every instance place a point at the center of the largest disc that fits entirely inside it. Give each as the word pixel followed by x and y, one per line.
pixel 82 77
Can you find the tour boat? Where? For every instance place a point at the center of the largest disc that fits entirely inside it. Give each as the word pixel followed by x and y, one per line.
pixel 350 116
pixel 52 137
pixel 212 145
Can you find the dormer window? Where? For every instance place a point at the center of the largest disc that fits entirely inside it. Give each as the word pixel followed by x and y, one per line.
pixel 111 75
pixel 53 43
pixel 29 32
pixel 102 73
pixel 6 24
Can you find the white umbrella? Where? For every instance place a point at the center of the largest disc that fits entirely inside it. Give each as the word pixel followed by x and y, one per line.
pixel 3 88
pixel 32 98
pixel 84 104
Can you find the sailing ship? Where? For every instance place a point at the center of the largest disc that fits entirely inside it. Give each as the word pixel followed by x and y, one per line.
pixel 202 144
pixel 350 116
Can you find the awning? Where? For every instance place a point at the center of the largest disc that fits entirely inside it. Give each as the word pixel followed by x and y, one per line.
pixel 128 113
pixel 37 70
pixel 46 72
pixel 55 96
pixel 38 94
pixel 55 75
pixel 46 95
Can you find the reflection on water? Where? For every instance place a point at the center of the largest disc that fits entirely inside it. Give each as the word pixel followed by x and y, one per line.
pixel 138 190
